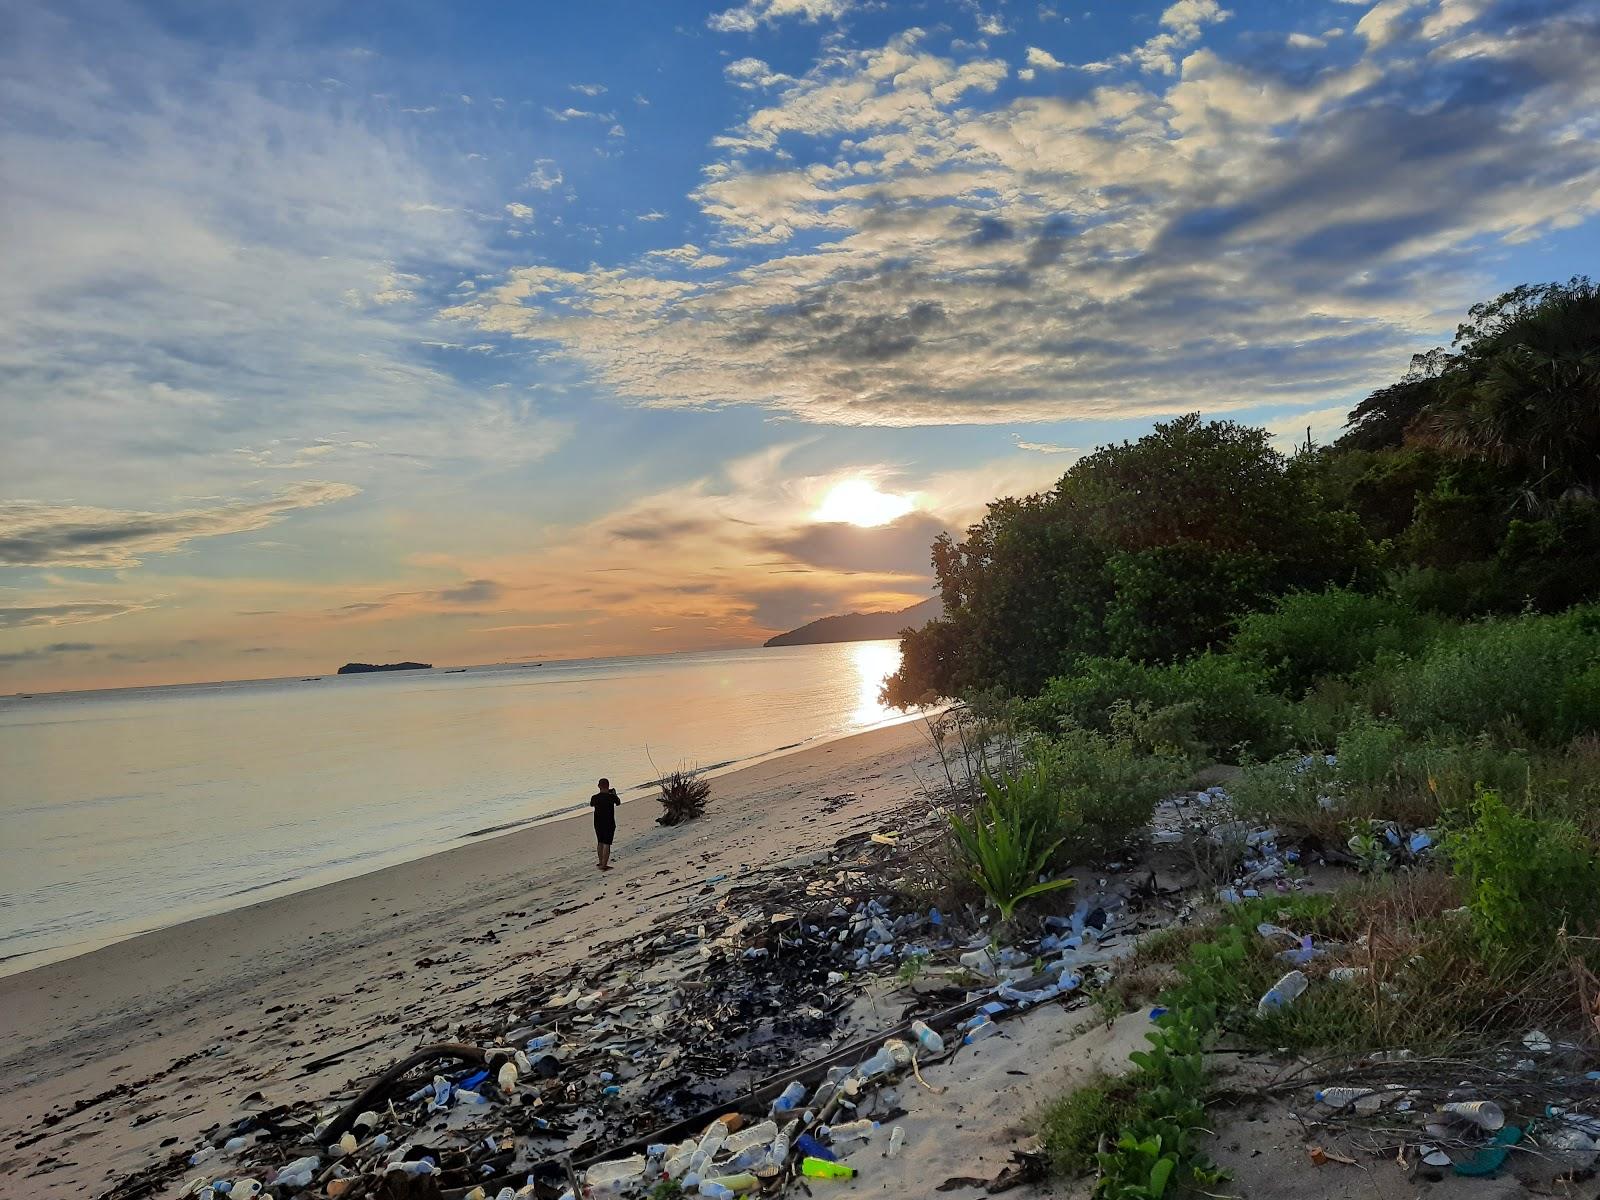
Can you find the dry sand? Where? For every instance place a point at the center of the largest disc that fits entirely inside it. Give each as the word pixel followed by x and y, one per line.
pixel 169 1032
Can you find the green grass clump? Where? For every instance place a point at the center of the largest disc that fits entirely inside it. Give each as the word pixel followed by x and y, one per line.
pixel 1074 1125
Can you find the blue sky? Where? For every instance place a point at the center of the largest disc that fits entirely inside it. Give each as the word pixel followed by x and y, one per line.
pixel 477 331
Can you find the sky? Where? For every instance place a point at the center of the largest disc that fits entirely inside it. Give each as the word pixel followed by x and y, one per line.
pixel 473 332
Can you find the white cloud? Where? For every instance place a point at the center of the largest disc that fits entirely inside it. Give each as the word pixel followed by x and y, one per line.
pixel 746 17
pixel 1047 448
pixel 942 262
pixel 65 535
pixel 520 212
pixel 544 177
pixel 754 73
pixel 1305 41
pixel 590 89
pixel 1043 60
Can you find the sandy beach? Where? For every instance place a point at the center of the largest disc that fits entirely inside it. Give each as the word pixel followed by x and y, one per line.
pixel 156 1038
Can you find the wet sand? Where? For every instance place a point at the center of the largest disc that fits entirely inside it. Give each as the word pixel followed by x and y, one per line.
pixel 163 1035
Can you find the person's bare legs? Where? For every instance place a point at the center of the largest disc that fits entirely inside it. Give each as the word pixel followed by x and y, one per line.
pixel 605 856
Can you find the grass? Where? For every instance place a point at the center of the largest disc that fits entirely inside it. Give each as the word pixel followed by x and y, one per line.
pixel 682 795
pixel 1073 1127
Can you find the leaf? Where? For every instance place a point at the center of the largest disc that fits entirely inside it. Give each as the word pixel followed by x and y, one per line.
pixel 1161 1173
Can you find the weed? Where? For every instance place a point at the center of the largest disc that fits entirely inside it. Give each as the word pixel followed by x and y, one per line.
pixel 1004 840
pixel 683 796
pixel 1074 1125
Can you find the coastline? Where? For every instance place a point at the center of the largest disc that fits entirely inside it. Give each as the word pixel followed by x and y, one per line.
pixel 373 863
pixel 190 1018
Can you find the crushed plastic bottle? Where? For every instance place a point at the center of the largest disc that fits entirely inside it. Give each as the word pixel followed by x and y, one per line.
pixel 1283 993
pixel 897 1139
pixel 983 1029
pixel 755 1135
pixel 613 1176
pixel 1347 974
pixel 978 961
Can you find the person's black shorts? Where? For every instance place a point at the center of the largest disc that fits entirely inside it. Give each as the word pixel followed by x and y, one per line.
pixel 604 834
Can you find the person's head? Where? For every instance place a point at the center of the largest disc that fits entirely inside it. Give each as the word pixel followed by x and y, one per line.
pixel 605 785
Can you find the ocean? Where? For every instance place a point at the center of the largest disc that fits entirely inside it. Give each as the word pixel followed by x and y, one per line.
pixel 130 810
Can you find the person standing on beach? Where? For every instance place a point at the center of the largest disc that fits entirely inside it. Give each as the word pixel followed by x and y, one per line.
pixel 604 802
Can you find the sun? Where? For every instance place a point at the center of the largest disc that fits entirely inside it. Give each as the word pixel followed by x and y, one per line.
pixel 859 502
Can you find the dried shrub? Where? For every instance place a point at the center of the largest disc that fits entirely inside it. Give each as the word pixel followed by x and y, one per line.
pixel 683 797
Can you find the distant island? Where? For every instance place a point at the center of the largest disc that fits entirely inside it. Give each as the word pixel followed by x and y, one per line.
pixel 364 668
pixel 860 627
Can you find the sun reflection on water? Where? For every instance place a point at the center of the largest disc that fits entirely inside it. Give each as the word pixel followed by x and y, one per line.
pixel 873 662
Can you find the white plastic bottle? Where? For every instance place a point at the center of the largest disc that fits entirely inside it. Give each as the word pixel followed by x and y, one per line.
pixel 927 1038
pixel 1283 993
pixel 897 1138
pixel 850 1131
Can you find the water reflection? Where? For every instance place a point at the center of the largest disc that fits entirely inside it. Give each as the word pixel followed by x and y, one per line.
pixel 874 662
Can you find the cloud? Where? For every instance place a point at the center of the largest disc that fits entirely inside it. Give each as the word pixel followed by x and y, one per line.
pixel 520 212
pixel 544 177
pixel 754 73
pixel 900 547
pixel 38 653
pixel 747 17
pixel 1047 448
pixel 1044 60
pixel 589 89
pixel 65 612
pixel 579 114
pixel 1282 234
pixel 43 535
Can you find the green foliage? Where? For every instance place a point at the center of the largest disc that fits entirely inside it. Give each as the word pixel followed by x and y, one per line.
pixel 1072 1127
pixel 1150 549
pixel 667 1189
pixel 1212 705
pixel 1105 790
pixel 1527 876
pixel 1534 672
pixel 1003 840
pixel 1309 636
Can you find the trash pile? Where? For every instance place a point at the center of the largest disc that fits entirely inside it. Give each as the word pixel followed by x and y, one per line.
pixel 1468 1117
pixel 791 988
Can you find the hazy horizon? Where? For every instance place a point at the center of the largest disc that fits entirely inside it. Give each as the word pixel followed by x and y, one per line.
pixel 476 334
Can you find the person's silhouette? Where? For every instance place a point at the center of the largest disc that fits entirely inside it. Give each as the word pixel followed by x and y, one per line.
pixel 604 802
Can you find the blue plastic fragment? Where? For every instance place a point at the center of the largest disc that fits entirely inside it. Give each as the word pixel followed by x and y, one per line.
pixel 1157 1013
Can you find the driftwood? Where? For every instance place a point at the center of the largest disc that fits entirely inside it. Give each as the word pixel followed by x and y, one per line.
pixel 457 1051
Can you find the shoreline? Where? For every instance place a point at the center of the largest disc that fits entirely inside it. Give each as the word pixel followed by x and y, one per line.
pixel 165 1033
pixel 24 961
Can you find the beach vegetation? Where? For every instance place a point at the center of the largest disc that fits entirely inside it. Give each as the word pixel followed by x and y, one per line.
pixel 683 795
pixel 1005 838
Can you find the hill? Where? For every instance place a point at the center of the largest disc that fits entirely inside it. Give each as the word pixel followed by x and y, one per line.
pixel 860 627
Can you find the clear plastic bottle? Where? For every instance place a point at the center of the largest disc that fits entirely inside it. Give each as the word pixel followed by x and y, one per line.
pixel 850 1131
pixel 897 1139
pixel 983 1029
pixel 789 1097
pixel 927 1038
pixel 1285 992
pixel 755 1135
pixel 1341 1097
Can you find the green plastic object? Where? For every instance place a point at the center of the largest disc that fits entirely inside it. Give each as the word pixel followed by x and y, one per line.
pixel 821 1168
pixel 1493 1156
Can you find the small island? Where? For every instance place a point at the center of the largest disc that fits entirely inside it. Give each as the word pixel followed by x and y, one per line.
pixel 364 668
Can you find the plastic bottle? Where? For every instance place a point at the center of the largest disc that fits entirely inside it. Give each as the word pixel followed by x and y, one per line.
pixel 809 1147
pixel 756 1135
pixel 712 1190
pixel 1341 1097
pixel 927 1038
pixel 742 1181
pixel 985 1028
pixel 850 1131
pixel 543 1042
pixel 610 1176
pixel 789 1097
pixel 979 961
pixel 821 1168
pixel 1485 1114
pixel 897 1138
pixel 245 1189
pixel 1284 992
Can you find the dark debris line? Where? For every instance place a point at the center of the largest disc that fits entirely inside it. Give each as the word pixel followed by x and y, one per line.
pixel 753 983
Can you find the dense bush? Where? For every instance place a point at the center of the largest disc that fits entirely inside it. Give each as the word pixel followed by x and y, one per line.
pixel 1334 633
pixel 1211 706
pixel 1105 790
pixel 1527 876
pixel 1538 673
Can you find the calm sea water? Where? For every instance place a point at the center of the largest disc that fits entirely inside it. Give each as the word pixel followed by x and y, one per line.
pixel 130 810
